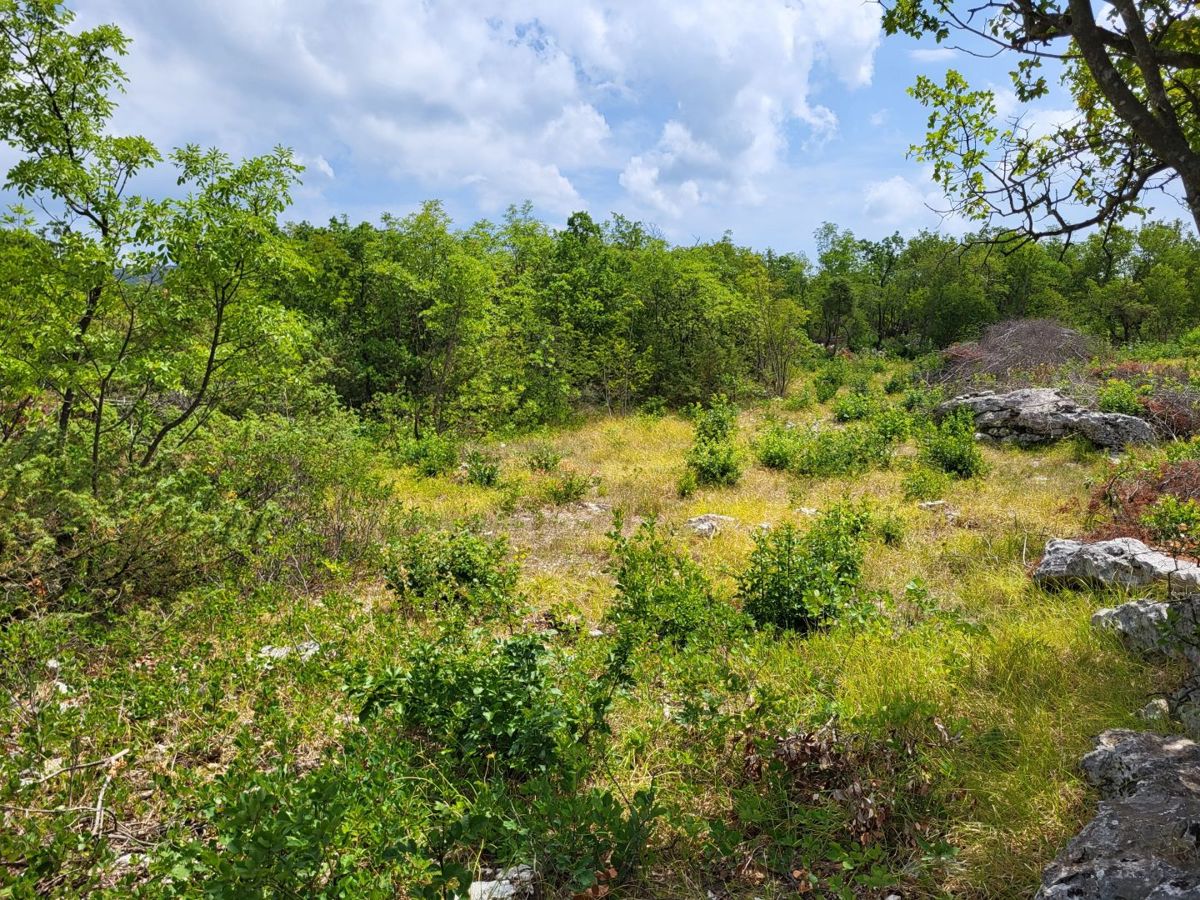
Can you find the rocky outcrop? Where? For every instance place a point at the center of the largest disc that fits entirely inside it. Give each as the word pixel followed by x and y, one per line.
pixel 1145 839
pixel 1040 415
pixel 1155 628
pixel 1121 562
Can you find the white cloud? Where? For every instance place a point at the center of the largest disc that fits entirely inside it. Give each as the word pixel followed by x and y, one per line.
pixel 680 102
pixel 932 54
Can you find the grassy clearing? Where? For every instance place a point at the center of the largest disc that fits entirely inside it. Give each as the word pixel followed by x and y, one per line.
pixel 993 687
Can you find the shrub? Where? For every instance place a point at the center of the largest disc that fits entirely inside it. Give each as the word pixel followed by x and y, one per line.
pixel 845 451
pixel 853 407
pixel 1190 341
pixel 922 400
pixel 569 487
pixel 1117 396
pixel 661 594
pixel 924 483
pixel 951 446
pixel 896 384
pixel 827 381
pixel 482 469
pixel 488 710
pixel 687 484
pixel 799 401
pixel 801 582
pixel 544 458
pixel 431 455
pixel 713 458
pixel 453 569
pixel 1175 525
pixel 776 446
pixel 892 424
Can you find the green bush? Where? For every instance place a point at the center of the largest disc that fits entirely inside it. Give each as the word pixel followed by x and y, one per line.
pixel 892 424
pixel 431 455
pixel 713 458
pixel 544 458
pixel 1190 341
pixel 897 383
pixel 776 446
pixel 801 582
pixel 1117 396
pixel 490 710
pixel 922 400
pixel 569 487
pixel 846 451
pixel 482 469
pixel 453 569
pixel 853 407
pixel 661 594
pixel 830 377
pixel 950 445
pixel 799 400
pixel 924 483
pixel 1175 524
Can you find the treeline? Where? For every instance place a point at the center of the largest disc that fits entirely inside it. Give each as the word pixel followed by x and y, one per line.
pixel 516 324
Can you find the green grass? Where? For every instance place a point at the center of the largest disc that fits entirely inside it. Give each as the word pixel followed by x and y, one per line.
pixel 998 686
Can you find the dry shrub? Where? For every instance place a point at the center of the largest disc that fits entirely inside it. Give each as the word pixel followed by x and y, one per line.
pixel 1019 350
pixel 1118 506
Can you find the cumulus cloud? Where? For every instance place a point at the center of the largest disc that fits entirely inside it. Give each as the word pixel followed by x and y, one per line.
pixel 680 102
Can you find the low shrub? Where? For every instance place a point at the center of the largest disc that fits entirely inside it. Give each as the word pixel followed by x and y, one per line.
pixel 829 378
pixel 483 469
pixel 799 400
pixel 488 710
pixel 713 458
pixel 569 487
pixel 453 569
pixel 892 424
pixel 924 483
pixel 1117 396
pixel 896 384
pixel 845 451
pixel 853 407
pixel 431 455
pixel 950 445
pixel 662 595
pixel 803 581
pixel 1175 525
pixel 776 446
pixel 543 458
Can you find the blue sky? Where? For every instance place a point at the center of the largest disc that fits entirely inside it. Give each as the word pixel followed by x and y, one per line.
pixel 762 117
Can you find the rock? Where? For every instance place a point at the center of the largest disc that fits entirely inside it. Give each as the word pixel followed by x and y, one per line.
pixel 1156 628
pixel 709 524
pixel 1143 841
pixel 1039 415
pixel 1121 562
pixel 306 650
pixel 514 882
pixel 1157 710
pixel 930 505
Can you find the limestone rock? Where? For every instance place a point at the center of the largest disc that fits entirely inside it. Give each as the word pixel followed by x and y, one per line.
pixel 1156 628
pixel 1121 562
pixel 1143 841
pixel 709 524
pixel 508 883
pixel 1039 415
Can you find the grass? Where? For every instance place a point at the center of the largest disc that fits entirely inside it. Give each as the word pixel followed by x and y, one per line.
pixel 1001 686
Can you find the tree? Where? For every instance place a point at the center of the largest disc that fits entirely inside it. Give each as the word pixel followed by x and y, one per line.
pixel 1134 75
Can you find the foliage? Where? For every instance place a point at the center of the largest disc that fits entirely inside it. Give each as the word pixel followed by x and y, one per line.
pixel 804 581
pixel 950 445
pixel 853 407
pixel 925 483
pixel 544 458
pixel 1175 524
pixel 1117 396
pixel 568 487
pixel 488 710
pixel 714 459
pixel 483 469
pixel 453 569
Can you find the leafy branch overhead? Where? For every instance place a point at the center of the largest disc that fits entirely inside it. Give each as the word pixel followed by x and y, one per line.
pixel 1133 74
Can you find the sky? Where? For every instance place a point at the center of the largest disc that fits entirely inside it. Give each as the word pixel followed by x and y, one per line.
pixel 764 118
